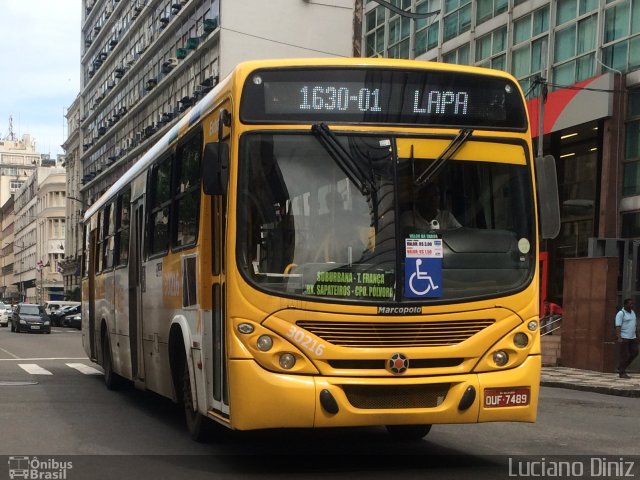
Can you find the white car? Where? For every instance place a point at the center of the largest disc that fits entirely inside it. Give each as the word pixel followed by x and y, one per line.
pixel 5 314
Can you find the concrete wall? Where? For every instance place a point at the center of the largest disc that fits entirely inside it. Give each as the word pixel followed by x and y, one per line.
pixel 254 29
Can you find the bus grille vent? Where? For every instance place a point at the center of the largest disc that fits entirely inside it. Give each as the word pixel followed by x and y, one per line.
pixel 395 335
pixel 396 396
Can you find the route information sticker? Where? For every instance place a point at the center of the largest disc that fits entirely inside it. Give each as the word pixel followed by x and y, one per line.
pixel 423 268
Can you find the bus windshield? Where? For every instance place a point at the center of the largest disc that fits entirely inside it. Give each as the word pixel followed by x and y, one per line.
pixel 378 225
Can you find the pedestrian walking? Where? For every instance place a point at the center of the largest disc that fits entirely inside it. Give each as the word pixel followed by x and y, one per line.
pixel 627 336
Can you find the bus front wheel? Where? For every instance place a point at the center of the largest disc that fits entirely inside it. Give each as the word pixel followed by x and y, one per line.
pixel 408 432
pixel 196 423
pixel 112 380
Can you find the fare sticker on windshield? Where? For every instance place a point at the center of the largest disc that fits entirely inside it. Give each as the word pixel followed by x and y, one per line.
pixel 423 268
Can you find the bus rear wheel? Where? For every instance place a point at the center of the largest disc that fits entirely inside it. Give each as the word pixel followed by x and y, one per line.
pixel 408 432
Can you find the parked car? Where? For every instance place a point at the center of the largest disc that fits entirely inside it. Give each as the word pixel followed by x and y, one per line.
pixel 52 307
pixel 29 317
pixel 67 314
pixel 5 314
pixel 74 321
pixel 57 317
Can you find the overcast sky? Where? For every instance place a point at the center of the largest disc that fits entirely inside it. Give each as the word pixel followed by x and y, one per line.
pixel 39 68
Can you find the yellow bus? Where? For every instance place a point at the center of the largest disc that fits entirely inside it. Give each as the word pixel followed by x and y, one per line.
pixel 327 243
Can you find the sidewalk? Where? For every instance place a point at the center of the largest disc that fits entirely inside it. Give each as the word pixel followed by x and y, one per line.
pixel 590 381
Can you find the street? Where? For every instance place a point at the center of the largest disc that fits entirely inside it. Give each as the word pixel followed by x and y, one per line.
pixel 54 405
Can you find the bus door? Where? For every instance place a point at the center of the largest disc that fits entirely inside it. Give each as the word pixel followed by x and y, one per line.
pixel 220 381
pixel 135 291
pixel 93 257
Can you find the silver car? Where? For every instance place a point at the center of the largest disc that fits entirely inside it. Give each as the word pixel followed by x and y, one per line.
pixel 5 314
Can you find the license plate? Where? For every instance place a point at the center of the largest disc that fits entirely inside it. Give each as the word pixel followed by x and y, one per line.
pixel 506 397
pixel 35 327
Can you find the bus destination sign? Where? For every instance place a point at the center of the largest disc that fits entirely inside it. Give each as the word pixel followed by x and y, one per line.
pixel 382 96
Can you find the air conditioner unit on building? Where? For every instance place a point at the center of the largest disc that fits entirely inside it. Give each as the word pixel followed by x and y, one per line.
pixel 169 65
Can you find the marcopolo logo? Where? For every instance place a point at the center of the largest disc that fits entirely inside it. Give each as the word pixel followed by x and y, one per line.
pixel 399 310
pixel 37 469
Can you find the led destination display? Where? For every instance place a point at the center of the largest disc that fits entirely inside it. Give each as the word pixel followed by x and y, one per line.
pixel 382 96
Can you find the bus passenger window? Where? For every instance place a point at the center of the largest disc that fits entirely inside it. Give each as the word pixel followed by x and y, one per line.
pixel 122 229
pixel 159 207
pixel 187 194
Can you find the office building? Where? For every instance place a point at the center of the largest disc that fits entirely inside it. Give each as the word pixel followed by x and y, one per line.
pixel 146 62
pixel 587 54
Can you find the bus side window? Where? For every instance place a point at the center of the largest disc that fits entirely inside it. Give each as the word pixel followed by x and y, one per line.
pixel 98 260
pixel 187 193
pixel 159 207
pixel 109 230
pixel 122 229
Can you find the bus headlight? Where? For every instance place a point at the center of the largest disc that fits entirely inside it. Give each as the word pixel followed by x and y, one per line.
pixel 264 343
pixel 287 361
pixel 532 325
pixel 521 340
pixel 501 358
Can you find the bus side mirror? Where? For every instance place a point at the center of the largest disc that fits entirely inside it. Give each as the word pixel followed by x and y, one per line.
pixel 548 198
pixel 215 168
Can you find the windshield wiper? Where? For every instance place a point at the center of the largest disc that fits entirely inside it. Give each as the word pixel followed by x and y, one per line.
pixel 343 158
pixel 451 149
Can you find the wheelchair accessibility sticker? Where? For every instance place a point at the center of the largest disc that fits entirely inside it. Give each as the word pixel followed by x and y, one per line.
pixel 423 268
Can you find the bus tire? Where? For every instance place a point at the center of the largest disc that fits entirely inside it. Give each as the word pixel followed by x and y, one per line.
pixel 196 422
pixel 112 380
pixel 408 432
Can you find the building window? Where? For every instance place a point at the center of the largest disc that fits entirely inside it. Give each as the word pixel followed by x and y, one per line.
pixel 527 62
pixel 490 49
pixel 630 225
pixel 459 55
pixel 487 9
pixel 531 25
pixel 567 10
pixel 457 18
pixel 15 185
pixel 399 36
pixel 427 29
pixel 617 22
pixel 631 175
pixel 374 25
pixel 622 20
pixel 576 40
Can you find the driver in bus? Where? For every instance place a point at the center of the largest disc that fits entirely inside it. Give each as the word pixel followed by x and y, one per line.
pixel 426 212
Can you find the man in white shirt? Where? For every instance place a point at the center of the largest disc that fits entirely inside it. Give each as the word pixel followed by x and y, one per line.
pixel 426 212
pixel 626 334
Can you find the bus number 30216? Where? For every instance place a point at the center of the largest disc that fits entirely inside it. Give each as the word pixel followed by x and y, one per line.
pixel 305 341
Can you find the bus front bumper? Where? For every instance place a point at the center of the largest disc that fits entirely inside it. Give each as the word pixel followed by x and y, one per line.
pixel 261 399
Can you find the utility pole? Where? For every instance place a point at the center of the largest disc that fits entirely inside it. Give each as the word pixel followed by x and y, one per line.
pixel 542 82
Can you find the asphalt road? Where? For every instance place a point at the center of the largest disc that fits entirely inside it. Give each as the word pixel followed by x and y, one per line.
pixel 54 407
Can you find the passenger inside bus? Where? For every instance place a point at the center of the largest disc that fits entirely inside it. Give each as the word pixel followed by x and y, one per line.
pixel 342 240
